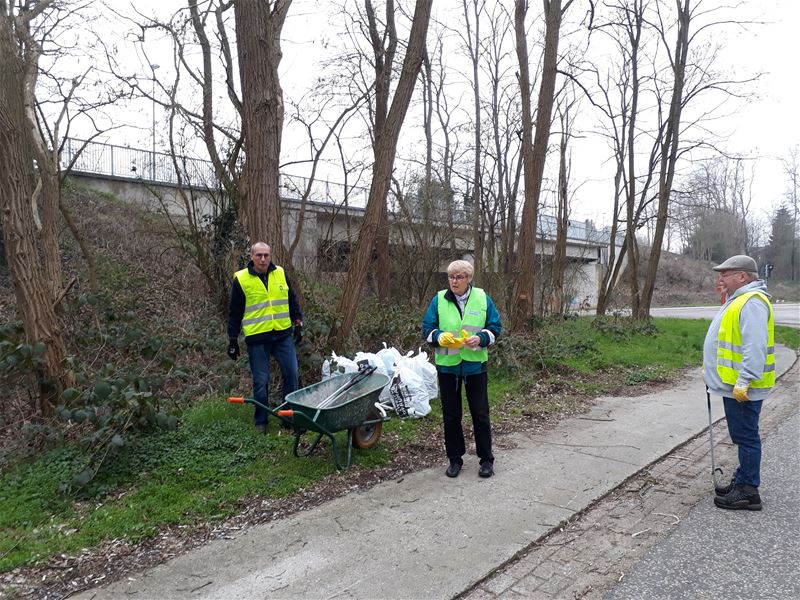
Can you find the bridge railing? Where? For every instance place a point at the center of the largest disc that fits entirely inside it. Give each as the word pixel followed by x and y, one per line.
pixel 99 158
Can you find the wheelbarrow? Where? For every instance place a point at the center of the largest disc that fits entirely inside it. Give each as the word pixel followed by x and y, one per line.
pixel 343 402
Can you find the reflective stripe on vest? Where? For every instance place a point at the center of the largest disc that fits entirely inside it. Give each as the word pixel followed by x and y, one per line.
pixel 450 320
pixel 729 344
pixel 266 309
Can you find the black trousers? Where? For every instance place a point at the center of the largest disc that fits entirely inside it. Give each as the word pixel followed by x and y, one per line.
pixel 478 401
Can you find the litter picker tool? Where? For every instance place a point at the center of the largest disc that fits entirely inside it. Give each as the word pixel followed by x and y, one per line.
pixel 363 373
pixel 714 468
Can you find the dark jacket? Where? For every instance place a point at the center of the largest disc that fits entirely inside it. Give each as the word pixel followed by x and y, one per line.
pixel 237 304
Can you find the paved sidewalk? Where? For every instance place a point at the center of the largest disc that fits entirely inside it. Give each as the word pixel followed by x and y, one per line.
pixel 427 536
pixel 599 549
pixel 733 555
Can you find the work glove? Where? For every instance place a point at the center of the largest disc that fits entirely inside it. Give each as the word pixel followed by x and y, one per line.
pixel 233 349
pixel 740 393
pixel 447 340
pixel 297 332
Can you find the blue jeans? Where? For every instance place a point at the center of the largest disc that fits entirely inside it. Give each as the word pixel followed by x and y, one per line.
pixel 743 428
pixel 283 351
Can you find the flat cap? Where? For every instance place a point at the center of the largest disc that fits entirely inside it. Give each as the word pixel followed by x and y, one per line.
pixel 740 262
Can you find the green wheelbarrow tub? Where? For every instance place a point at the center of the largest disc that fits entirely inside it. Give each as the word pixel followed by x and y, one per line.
pixel 350 409
pixel 321 408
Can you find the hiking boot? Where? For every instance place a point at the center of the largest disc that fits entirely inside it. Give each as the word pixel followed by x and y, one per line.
pixel 725 489
pixel 486 470
pixel 261 428
pixel 741 497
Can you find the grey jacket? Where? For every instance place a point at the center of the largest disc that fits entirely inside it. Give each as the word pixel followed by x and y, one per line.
pixel 753 324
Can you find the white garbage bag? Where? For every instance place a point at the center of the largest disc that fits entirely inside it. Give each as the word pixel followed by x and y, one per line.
pixel 373 360
pixel 336 365
pixel 390 356
pixel 406 393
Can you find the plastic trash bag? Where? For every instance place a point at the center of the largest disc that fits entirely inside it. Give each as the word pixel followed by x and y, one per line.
pixel 389 356
pixel 368 358
pixel 405 393
pixel 428 373
pixel 336 365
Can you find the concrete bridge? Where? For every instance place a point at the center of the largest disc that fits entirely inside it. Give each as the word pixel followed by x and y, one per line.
pixel 332 216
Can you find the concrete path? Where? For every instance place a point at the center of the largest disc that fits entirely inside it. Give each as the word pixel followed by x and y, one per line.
pixel 427 536
pixel 602 546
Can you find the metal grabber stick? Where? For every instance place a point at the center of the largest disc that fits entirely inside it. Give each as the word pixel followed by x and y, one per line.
pixel 714 468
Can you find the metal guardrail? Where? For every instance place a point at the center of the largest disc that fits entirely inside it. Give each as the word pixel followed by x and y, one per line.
pixel 99 158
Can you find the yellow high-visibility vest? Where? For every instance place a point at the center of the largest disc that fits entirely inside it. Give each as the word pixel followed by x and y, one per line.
pixel 473 321
pixel 729 344
pixel 266 309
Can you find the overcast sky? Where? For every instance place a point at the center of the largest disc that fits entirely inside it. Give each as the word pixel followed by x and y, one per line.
pixel 764 128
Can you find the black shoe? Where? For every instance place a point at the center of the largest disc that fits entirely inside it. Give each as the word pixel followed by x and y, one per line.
pixel 741 497
pixel 454 469
pixel 486 470
pixel 261 427
pixel 725 489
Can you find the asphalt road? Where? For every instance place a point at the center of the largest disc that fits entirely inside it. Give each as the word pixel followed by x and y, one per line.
pixel 785 314
pixel 732 554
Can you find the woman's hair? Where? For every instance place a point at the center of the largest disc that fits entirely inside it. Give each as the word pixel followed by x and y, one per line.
pixel 461 266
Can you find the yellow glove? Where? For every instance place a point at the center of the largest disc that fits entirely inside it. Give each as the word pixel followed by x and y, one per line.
pixel 740 393
pixel 448 341
pixel 464 335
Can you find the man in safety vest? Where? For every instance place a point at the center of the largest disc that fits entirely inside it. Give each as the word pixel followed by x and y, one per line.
pixel 739 365
pixel 264 307
pixel 461 323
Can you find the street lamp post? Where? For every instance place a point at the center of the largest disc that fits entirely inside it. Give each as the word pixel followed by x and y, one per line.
pixel 153 95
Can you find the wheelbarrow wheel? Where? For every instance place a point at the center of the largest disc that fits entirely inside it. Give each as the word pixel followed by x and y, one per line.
pixel 366 436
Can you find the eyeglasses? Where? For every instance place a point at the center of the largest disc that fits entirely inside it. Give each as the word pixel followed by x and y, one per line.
pixel 262 255
pixel 729 273
pixel 456 277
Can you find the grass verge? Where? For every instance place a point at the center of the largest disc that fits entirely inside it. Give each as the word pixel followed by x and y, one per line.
pixel 214 462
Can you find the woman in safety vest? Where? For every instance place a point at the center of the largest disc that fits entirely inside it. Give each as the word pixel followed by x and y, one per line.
pixel 461 323
pixel 739 365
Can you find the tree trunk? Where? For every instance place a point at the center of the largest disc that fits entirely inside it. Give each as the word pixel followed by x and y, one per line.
pixel 562 224
pixel 385 148
pixel 473 45
pixel 533 156
pixel 258 31
pixel 32 292
pixel 51 219
pixel 669 156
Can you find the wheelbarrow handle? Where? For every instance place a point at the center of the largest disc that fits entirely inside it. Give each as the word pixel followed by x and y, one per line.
pixel 236 399
pixel 285 413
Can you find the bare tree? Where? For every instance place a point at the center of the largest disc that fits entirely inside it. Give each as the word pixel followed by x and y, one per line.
pixel 559 263
pixel 385 148
pixel 668 151
pixel 791 167
pixel 258 40
pixel 472 42
pixel 316 149
pixel 534 154
pixel 35 297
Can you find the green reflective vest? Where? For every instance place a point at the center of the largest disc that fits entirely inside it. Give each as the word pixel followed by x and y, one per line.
pixel 474 321
pixel 729 344
pixel 266 309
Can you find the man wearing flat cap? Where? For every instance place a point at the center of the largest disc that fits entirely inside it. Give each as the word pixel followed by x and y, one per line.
pixel 739 365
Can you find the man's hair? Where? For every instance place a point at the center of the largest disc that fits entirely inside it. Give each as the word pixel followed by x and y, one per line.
pixel 460 266
pixel 260 243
